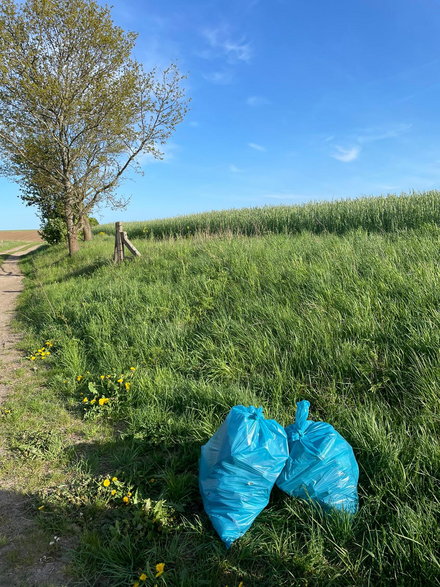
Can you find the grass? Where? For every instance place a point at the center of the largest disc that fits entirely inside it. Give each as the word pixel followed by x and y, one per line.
pixel 349 322
pixel 6 245
pixel 381 214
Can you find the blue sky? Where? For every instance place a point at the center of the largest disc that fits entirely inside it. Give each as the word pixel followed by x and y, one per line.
pixel 292 101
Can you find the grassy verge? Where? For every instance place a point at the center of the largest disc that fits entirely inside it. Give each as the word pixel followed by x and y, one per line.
pixel 171 341
pixel 6 245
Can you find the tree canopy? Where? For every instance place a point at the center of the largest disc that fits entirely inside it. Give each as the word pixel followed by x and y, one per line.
pixel 76 108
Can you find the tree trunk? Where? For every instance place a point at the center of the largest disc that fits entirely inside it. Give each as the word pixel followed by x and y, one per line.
pixel 86 228
pixel 72 236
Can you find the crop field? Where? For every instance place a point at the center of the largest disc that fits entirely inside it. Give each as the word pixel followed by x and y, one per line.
pixel 19 235
pixel 146 358
pixel 382 214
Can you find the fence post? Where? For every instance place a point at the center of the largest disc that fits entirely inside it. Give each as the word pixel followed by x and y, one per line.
pixel 130 246
pixel 121 240
pixel 119 246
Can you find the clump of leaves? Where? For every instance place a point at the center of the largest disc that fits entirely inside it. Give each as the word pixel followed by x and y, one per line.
pixel 36 444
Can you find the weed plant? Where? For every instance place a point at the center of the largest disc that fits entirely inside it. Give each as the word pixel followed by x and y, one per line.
pixel 349 321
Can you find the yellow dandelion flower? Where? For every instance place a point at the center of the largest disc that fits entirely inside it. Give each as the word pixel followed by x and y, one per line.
pixel 120 380
pixel 103 401
pixel 102 377
pixel 114 478
pixel 125 499
pixel 106 482
pixel 32 358
pixel 129 494
pixel 113 491
pixel 127 386
pixel 160 569
pixel 79 377
pixel 86 400
pixel 132 368
pixel 143 577
pixel 136 584
pixel 93 401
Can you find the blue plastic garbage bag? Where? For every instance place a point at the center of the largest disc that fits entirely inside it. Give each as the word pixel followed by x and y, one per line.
pixel 238 468
pixel 321 464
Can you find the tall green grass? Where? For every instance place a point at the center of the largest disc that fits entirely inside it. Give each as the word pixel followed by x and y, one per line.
pixel 380 214
pixel 351 323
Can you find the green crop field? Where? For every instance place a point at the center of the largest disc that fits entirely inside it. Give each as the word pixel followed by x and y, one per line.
pixel 335 303
pixel 382 214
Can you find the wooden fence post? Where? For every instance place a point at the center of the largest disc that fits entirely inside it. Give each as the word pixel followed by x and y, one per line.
pixel 121 240
pixel 119 246
pixel 130 246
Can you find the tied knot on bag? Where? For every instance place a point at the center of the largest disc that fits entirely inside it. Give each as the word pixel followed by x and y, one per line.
pixel 256 413
pixel 299 426
pixel 297 435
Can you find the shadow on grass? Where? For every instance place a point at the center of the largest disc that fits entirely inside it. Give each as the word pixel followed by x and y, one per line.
pixel 167 471
pixel 65 258
pixel 36 252
pixel 30 552
pixel 88 270
pixel 135 504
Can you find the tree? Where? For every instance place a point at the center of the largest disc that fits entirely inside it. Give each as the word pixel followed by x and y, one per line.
pixel 76 109
pixel 37 191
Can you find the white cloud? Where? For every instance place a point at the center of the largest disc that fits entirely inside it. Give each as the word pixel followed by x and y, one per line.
pixel 364 136
pixel 221 43
pixel 234 169
pixel 221 78
pixel 257 101
pixel 371 134
pixel 157 51
pixel 346 155
pixel 256 147
pixel 168 152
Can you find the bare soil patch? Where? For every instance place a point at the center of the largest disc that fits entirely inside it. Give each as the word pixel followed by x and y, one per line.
pixel 20 235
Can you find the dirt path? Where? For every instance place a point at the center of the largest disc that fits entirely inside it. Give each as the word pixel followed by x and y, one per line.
pixel 20 561
pixel 19 248
pixel 10 287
